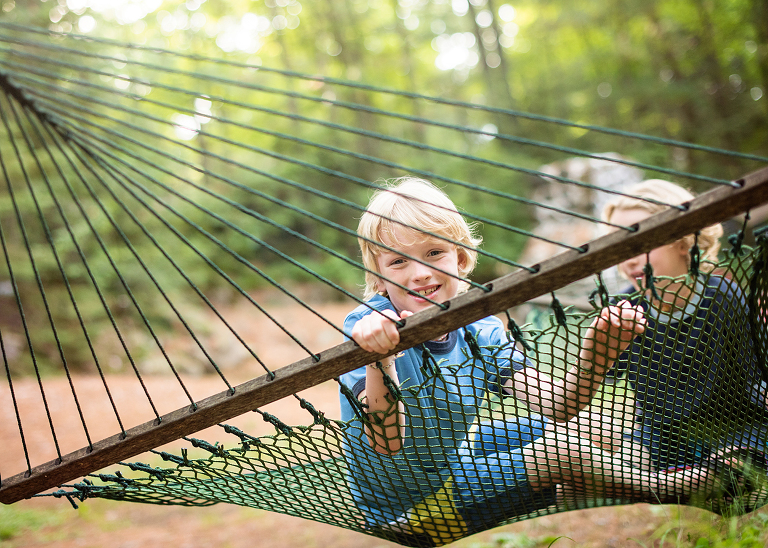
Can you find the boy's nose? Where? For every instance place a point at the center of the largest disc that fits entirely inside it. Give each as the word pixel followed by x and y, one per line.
pixel 421 272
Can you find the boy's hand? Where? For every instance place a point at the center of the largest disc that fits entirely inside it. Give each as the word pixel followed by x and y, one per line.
pixel 377 332
pixel 610 334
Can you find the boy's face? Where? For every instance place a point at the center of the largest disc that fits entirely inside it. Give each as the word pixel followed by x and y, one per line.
pixel 423 279
pixel 669 260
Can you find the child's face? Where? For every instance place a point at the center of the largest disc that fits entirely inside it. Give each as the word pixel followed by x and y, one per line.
pixel 669 260
pixel 420 278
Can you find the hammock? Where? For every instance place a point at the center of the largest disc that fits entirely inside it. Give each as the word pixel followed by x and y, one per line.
pixel 131 202
pixel 300 471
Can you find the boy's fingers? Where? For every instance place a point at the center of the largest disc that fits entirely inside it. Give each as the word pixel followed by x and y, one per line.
pixel 377 332
pixel 387 336
pixel 391 314
pixel 627 315
pixel 386 331
pixel 623 317
pixel 366 337
pixel 613 329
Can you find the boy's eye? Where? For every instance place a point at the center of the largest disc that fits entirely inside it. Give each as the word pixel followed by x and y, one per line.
pixel 435 252
pixel 397 261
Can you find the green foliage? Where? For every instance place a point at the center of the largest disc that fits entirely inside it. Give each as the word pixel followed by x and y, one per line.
pixel 749 532
pixel 14 520
pixel 746 532
pixel 509 540
pixel 694 71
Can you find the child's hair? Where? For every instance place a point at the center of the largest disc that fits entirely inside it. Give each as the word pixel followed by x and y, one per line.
pixel 421 206
pixel 668 193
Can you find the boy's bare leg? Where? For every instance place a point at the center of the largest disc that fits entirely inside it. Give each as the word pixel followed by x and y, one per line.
pixel 607 433
pixel 635 453
pixel 601 429
pixel 562 458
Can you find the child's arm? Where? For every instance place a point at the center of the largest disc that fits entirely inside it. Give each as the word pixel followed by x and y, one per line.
pixel 607 337
pixel 377 332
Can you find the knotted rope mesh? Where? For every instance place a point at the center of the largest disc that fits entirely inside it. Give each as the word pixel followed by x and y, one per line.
pixel 302 471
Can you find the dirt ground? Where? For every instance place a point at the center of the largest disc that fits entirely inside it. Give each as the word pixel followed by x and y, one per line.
pixel 125 525
pixel 100 523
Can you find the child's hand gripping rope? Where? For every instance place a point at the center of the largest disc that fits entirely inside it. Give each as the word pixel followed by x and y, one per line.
pixel 377 332
pixel 609 335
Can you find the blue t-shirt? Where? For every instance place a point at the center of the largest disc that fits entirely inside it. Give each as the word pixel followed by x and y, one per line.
pixel 440 411
pixel 696 364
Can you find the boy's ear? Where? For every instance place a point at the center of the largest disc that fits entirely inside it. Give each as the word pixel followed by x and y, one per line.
pixel 683 246
pixel 463 260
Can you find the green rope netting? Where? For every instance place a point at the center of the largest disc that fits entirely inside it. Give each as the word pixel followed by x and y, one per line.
pixel 711 400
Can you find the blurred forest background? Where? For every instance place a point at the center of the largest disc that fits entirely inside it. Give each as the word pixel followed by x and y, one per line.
pixel 688 70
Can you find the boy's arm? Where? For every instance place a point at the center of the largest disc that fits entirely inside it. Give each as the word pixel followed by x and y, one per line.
pixel 607 337
pixel 377 332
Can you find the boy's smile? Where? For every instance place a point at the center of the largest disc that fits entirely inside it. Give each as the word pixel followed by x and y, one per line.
pixel 416 263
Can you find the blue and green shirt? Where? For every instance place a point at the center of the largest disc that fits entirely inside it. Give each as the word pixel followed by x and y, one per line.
pixel 440 410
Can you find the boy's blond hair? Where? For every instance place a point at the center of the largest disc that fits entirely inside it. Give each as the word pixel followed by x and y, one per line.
pixel 672 194
pixel 417 204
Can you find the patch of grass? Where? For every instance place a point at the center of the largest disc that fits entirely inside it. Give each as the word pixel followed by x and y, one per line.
pixel 15 520
pixel 518 540
pixel 745 532
pixel 702 531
